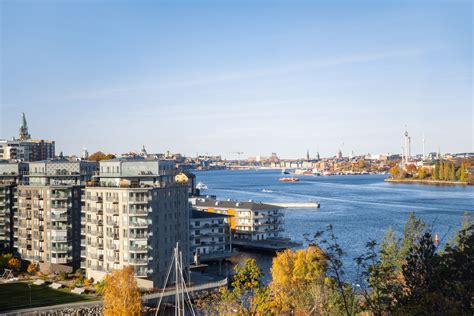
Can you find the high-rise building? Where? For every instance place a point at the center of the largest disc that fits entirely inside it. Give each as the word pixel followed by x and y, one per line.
pixel 11 174
pixel 48 221
pixel 26 149
pixel 134 214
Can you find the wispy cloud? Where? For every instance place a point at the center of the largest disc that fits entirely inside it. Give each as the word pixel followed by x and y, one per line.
pixel 153 87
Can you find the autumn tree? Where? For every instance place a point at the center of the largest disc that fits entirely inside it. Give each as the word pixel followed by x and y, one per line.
pixel 298 281
pixel 411 169
pixel 32 267
pixel 121 293
pixel 14 263
pixel 98 156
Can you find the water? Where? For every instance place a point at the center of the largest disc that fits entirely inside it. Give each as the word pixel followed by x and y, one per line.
pixel 360 208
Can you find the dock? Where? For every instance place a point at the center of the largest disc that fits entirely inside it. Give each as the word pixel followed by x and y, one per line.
pixel 297 205
pixel 270 245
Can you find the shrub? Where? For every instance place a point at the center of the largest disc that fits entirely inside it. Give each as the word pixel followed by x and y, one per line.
pixel 14 263
pixel 63 276
pixel 32 267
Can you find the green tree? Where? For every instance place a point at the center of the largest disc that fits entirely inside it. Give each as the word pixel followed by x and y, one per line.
pixel 414 228
pixel 436 172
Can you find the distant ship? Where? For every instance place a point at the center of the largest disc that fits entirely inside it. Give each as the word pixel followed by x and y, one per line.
pixel 201 186
pixel 289 179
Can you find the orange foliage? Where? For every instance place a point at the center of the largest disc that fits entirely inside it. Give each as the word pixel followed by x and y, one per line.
pixel 121 293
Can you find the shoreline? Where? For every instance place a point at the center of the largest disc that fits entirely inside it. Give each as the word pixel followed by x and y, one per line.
pixel 428 182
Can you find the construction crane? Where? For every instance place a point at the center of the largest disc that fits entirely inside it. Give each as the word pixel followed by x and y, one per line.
pixel 238 154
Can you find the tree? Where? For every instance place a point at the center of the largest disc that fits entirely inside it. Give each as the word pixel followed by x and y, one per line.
pixel 421 173
pixel 98 156
pixel 298 280
pixel 436 173
pixel 414 228
pixel 411 169
pixel 4 260
pixel 121 293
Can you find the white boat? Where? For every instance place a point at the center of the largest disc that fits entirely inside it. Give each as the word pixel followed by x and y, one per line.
pixel 267 191
pixel 201 186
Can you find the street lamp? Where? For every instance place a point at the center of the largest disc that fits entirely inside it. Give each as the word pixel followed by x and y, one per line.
pixel 29 286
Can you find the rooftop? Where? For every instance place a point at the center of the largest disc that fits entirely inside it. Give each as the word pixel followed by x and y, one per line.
pixel 202 214
pixel 231 204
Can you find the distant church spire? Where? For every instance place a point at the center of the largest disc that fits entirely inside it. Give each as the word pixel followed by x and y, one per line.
pixel 307 155
pixel 24 128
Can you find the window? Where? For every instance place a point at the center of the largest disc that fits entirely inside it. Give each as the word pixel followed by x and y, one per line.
pixel 197 223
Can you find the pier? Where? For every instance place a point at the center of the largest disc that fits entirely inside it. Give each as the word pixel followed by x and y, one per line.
pixel 297 205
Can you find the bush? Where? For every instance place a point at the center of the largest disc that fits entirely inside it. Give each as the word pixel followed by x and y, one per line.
pixel 87 282
pixel 32 267
pixel 63 276
pixel 14 263
pixel 4 260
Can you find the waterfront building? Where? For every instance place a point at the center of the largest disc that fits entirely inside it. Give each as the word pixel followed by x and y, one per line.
pixel 135 214
pixel 11 174
pixel 48 220
pixel 25 148
pixel 250 221
pixel 210 236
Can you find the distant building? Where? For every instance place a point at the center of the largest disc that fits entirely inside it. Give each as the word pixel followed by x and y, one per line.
pixel 26 149
pixel 249 220
pixel 210 236
pixel 134 214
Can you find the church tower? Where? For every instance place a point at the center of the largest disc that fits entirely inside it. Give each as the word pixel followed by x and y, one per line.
pixel 24 128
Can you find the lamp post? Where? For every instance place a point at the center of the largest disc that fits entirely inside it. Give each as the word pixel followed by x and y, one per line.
pixel 29 286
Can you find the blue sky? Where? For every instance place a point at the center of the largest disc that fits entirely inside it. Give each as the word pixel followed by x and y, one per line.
pixel 250 76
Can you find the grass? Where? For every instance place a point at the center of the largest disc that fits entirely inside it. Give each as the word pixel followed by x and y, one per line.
pixel 17 296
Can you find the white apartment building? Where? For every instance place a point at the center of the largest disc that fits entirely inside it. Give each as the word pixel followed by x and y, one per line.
pixel 135 214
pixel 248 220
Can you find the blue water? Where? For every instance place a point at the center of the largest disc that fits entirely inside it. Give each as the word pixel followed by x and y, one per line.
pixel 360 208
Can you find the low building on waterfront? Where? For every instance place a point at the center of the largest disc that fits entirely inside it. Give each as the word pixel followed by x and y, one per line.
pixel 135 214
pixel 249 221
pixel 210 236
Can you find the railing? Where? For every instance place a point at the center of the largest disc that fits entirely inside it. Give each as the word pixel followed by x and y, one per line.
pixel 138 261
pixel 137 236
pixel 138 211
pixel 135 224
pixel 138 248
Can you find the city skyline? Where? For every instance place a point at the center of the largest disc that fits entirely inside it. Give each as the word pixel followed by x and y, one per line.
pixel 190 79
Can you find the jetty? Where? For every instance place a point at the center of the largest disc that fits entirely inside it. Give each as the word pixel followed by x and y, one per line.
pixel 268 245
pixel 298 205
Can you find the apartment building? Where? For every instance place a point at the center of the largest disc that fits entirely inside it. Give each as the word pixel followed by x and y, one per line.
pixel 11 174
pixel 250 220
pixel 48 221
pixel 210 236
pixel 135 214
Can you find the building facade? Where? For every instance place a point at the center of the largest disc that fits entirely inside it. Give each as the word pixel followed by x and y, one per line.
pixel 48 221
pixel 11 174
pixel 135 214
pixel 209 235
pixel 250 220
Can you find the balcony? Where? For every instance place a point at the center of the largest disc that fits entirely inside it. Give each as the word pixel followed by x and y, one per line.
pixel 138 200
pixel 113 235
pixel 112 223
pixel 138 248
pixel 138 211
pixel 138 224
pixel 97 199
pixel 97 233
pixel 58 238
pixel 113 199
pixel 112 211
pixel 113 259
pixel 59 218
pixel 137 235
pixel 60 249
pixel 138 261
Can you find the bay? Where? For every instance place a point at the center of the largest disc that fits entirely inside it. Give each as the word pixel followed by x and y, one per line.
pixel 360 208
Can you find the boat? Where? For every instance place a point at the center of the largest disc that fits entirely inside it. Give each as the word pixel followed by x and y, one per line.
pixel 283 171
pixel 201 186
pixel 267 191
pixel 289 179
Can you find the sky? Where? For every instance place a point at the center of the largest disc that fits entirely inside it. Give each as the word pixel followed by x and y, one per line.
pixel 221 77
